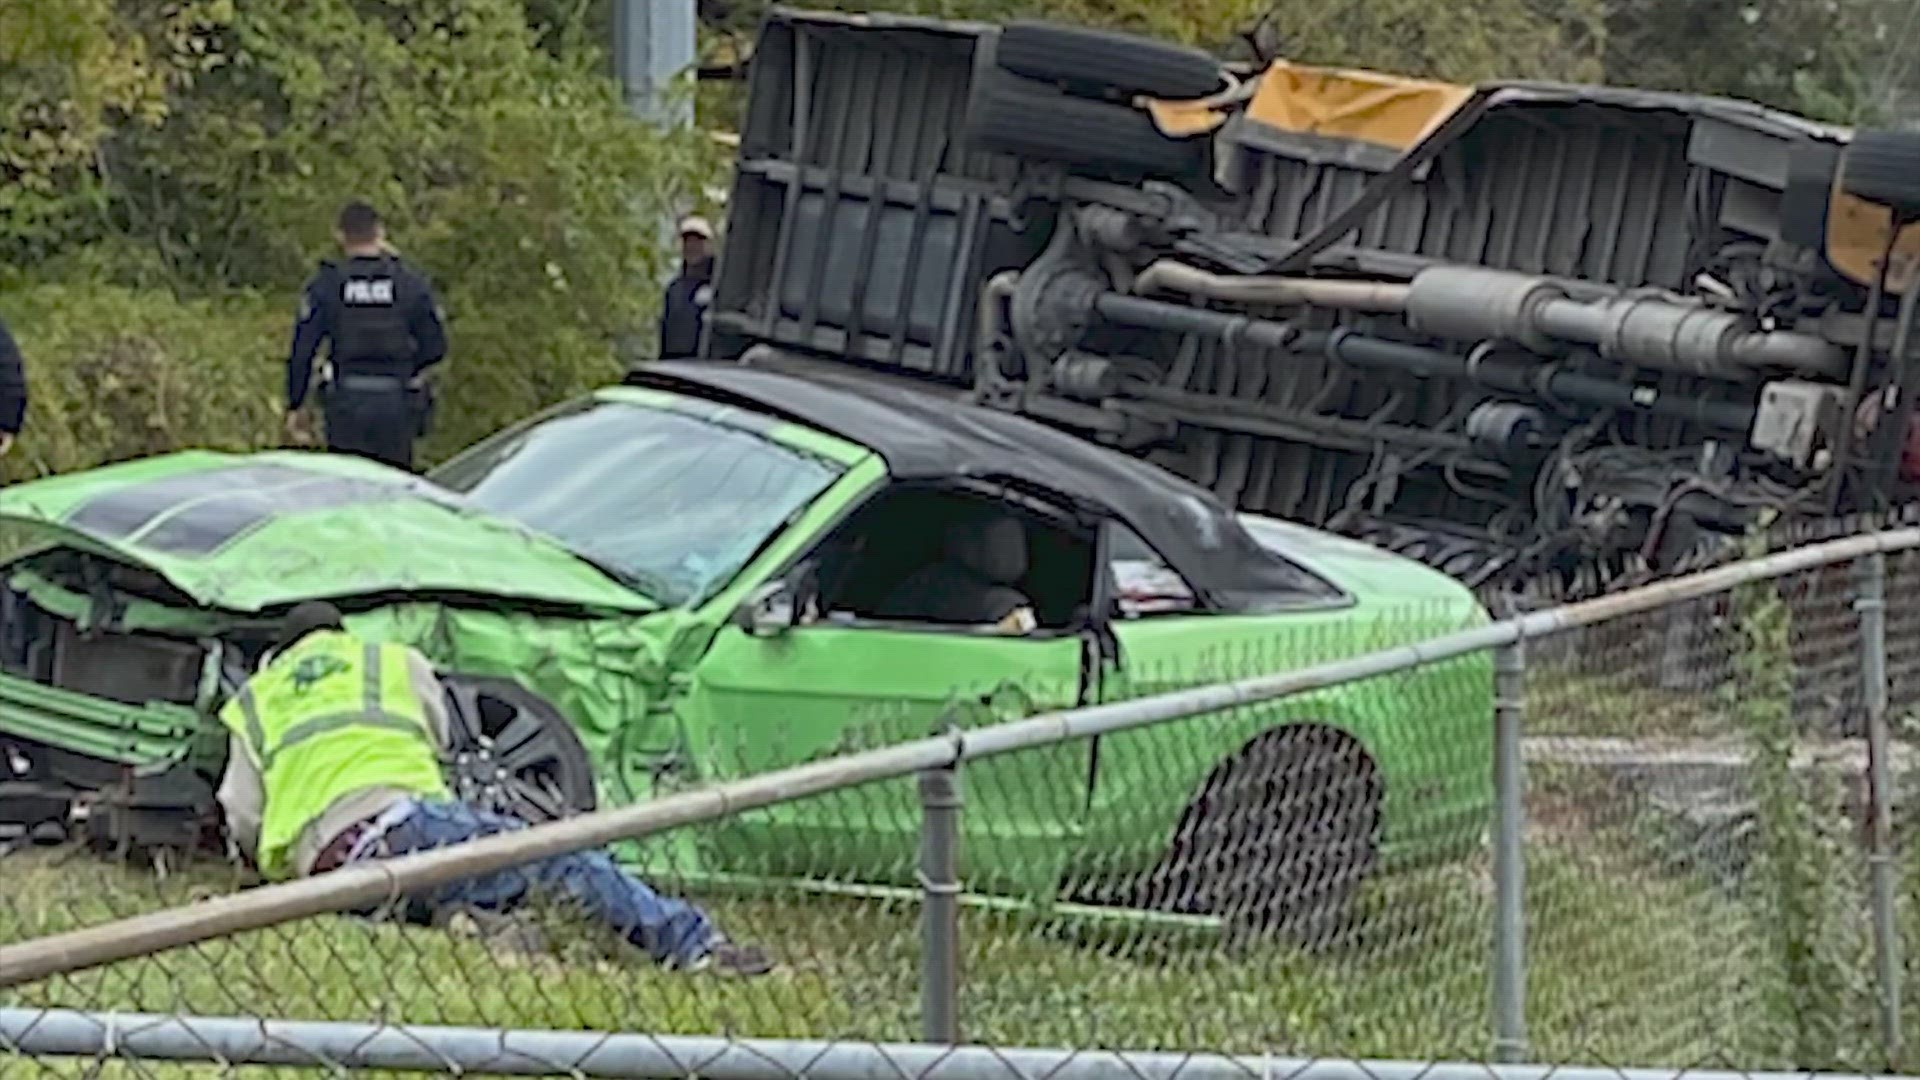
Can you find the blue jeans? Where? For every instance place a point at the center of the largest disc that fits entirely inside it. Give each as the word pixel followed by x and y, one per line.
pixel 668 929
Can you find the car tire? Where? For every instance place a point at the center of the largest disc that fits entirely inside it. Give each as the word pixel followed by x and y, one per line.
pixel 513 752
pixel 1280 837
pixel 1103 63
pixel 1883 166
pixel 1024 118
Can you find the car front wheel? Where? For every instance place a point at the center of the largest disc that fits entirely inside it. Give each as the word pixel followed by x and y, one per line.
pixel 513 752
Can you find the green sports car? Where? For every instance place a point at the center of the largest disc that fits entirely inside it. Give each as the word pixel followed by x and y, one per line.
pixel 716 569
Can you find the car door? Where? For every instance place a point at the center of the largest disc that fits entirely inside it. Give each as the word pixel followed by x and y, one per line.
pixel 764 700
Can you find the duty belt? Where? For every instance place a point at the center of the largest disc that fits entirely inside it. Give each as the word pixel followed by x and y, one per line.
pixel 380 384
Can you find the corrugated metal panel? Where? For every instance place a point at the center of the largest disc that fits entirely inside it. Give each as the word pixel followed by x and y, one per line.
pixel 860 223
pixel 1573 191
pixel 1579 191
pixel 893 105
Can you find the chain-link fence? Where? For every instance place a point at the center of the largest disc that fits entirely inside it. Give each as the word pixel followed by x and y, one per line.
pixel 1656 829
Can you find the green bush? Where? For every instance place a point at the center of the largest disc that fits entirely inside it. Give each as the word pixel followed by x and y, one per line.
pixel 115 373
pixel 1806 886
pixel 508 362
pixel 156 311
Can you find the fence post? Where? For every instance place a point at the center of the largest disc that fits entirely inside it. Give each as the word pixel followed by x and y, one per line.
pixel 940 802
pixel 1872 606
pixel 1509 855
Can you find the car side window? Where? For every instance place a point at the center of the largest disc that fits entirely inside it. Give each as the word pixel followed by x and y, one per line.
pixel 935 556
pixel 1144 584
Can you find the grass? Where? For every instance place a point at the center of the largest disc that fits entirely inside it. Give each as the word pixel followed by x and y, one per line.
pixel 1630 963
pixel 1646 946
pixel 1623 706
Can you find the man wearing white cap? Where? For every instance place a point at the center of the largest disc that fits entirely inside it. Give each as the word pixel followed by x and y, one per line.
pixel 685 310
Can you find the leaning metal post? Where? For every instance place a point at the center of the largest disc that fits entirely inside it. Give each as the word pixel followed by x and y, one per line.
pixel 354 887
pixel 940 802
pixel 1509 854
pixel 1872 606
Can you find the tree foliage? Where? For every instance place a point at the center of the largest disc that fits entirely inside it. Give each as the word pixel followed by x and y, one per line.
pixel 1842 60
pixel 1830 59
pixel 1501 39
pixel 117 373
pixel 1539 39
pixel 71 73
pixel 193 152
pixel 485 152
pixel 501 154
pixel 1512 38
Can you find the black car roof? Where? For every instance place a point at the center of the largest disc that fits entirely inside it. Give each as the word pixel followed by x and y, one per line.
pixel 923 436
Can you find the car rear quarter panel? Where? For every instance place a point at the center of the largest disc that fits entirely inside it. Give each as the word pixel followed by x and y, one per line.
pixel 1427 729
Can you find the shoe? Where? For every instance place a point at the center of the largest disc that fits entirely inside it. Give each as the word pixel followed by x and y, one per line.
pixel 748 961
pixel 725 958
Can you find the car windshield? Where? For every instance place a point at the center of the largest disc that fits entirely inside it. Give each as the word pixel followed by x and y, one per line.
pixel 672 504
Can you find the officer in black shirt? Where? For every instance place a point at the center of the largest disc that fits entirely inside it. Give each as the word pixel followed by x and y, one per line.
pixel 688 294
pixel 384 327
pixel 13 389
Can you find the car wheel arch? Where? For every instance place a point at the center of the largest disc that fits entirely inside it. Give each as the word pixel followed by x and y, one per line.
pixel 1211 863
pixel 1324 728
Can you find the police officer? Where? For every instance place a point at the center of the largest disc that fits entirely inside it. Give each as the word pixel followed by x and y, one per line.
pixel 13 389
pixel 384 328
pixel 688 294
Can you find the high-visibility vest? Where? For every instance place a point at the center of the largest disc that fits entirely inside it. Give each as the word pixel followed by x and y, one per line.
pixel 331 716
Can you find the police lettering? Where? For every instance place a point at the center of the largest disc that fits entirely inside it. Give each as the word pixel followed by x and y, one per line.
pixel 362 291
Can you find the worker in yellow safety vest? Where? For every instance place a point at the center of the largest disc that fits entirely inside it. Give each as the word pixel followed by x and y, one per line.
pixel 335 757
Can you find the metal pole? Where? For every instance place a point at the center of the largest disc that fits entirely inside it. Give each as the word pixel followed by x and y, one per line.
pixel 1509 854
pixel 653 44
pixel 232 1041
pixel 1872 605
pixel 940 802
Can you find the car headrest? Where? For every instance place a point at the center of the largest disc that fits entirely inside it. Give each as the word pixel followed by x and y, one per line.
pixel 993 547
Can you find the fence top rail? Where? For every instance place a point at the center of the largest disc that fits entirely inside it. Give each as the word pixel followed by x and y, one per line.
pixel 372 883
pixel 152 1037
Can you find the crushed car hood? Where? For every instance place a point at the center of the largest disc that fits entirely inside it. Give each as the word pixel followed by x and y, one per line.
pixel 248 532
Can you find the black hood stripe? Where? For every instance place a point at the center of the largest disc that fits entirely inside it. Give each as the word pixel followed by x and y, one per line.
pixel 202 512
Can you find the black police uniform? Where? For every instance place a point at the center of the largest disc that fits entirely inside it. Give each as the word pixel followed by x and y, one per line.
pixel 685 311
pixel 13 384
pixel 384 326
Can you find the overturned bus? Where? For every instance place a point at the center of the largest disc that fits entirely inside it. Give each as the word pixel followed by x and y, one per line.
pixel 1513 330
